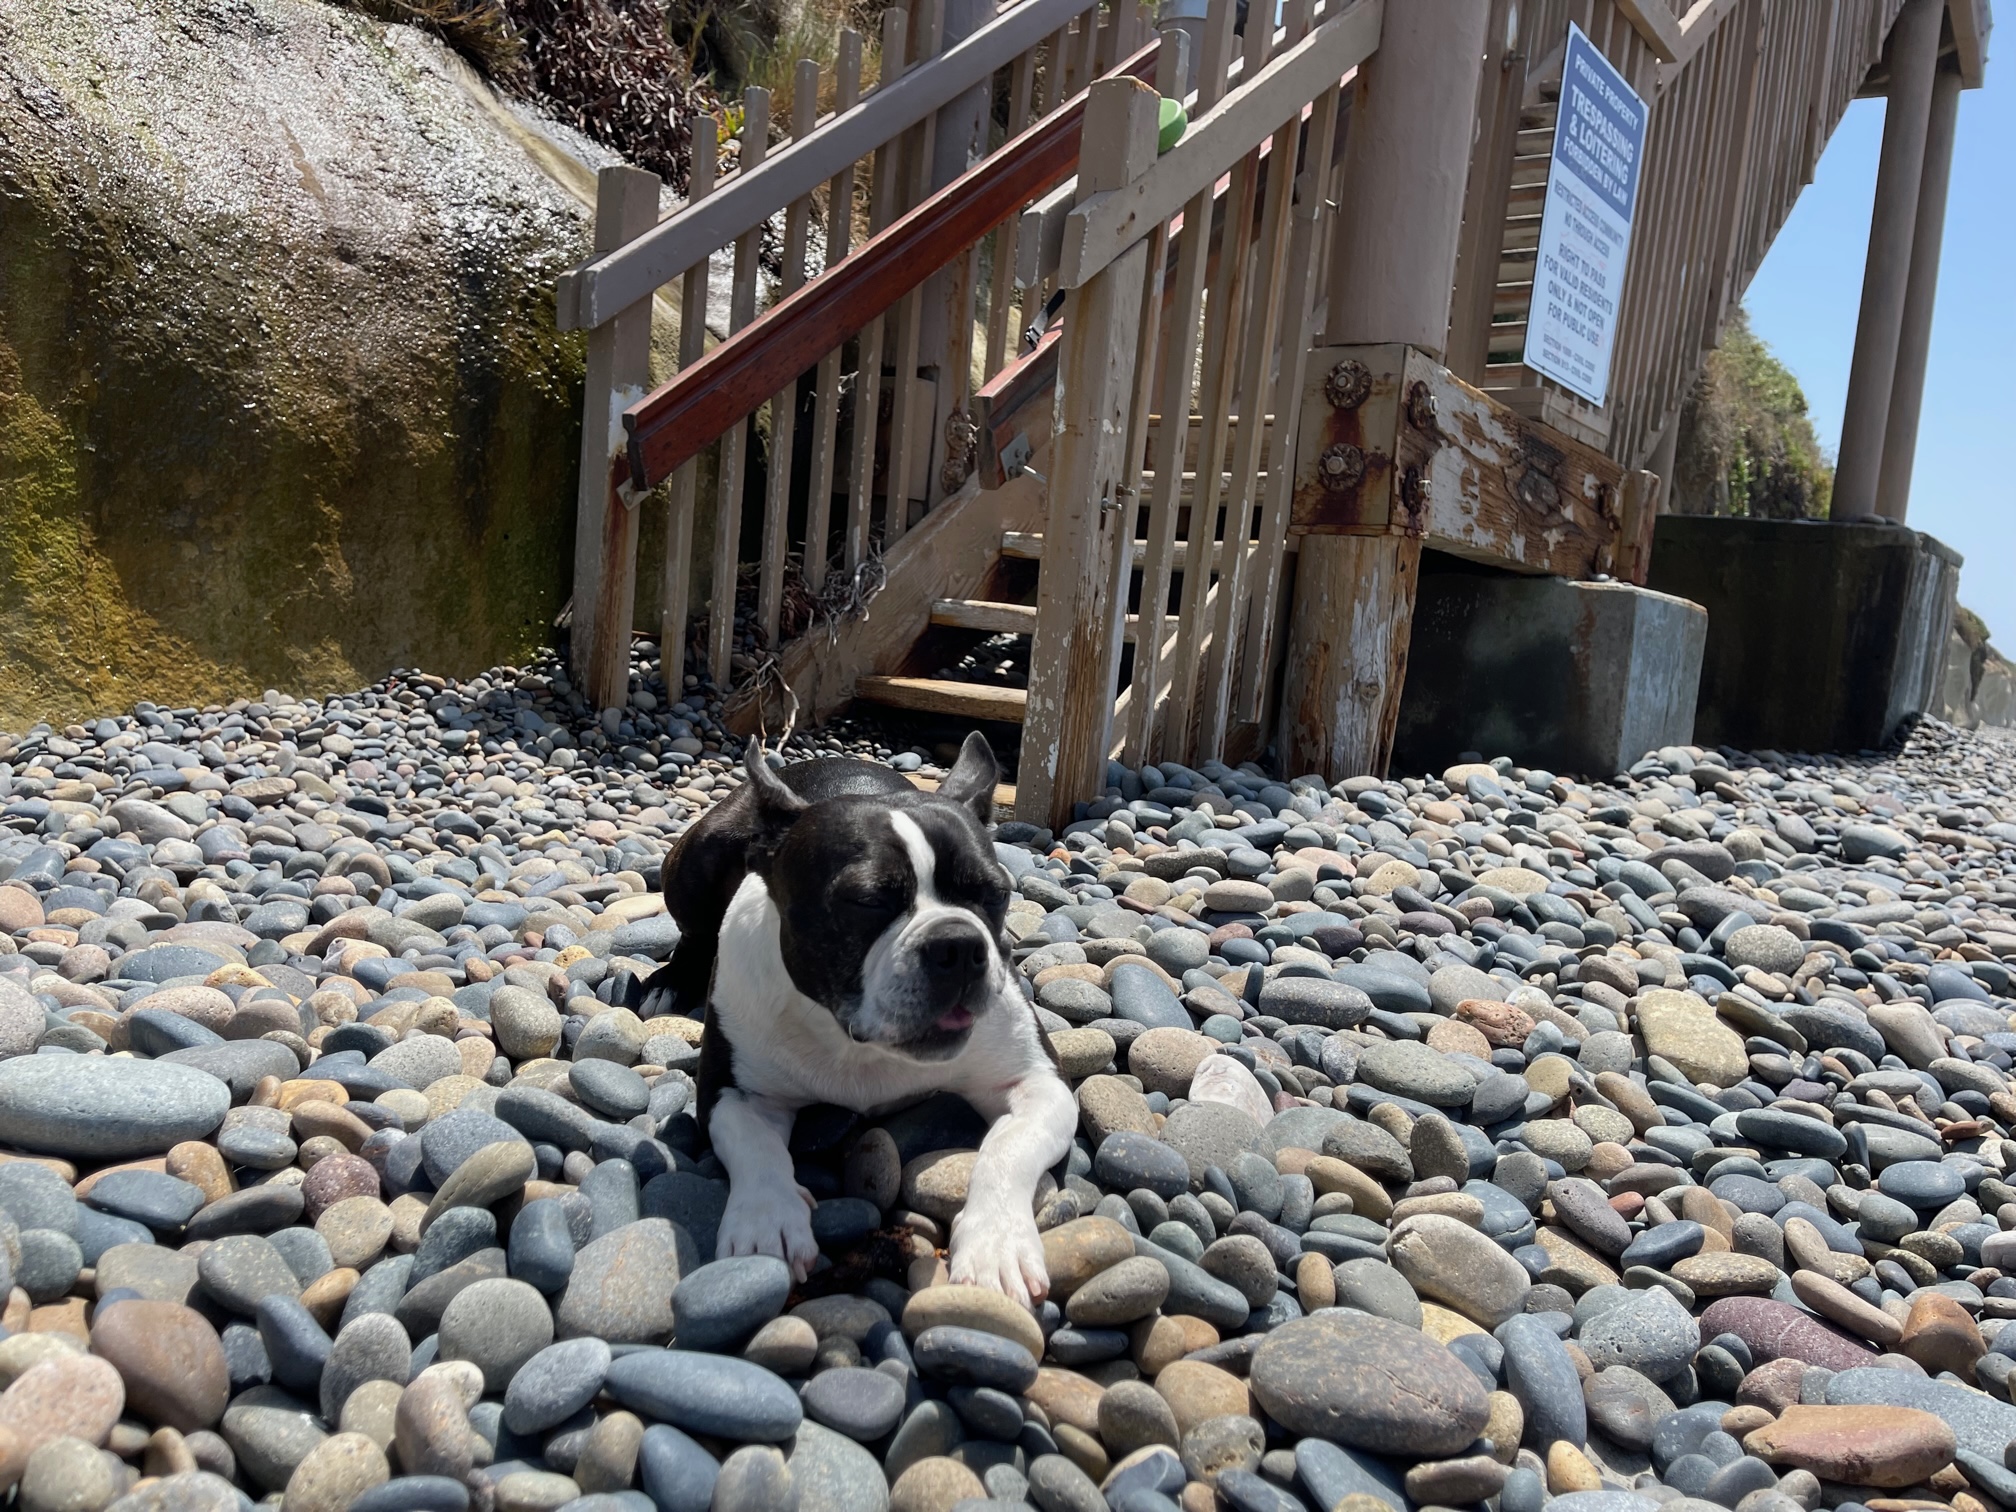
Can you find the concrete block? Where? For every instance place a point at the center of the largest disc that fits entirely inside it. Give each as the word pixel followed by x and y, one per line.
pixel 1577 677
pixel 1822 636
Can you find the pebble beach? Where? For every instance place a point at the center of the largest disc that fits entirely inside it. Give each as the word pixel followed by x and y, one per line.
pixel 1488 1137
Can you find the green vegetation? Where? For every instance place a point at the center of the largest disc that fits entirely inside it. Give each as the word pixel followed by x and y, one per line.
pixel 1747 444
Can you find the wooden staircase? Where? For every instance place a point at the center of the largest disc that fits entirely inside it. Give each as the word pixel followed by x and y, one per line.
pixel 1008 613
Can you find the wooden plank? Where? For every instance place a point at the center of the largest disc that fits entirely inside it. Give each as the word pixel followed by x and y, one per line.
pixel 784 403
pixel 868 369
pixel 1004 793
pixel 1269 597
pixel 1071 692
pixel 1655 23
pixel 1643 494
pixel 1100 228
pixel 932 695
pixel 1166 443
pixel 826 406
pixel 1004 619
pixel 676 577
pixel 1027 546
pixel 1971 21
pixel 908 411
pixel 984 615
pixel 608 283
pixel 949 555
pixel 735 434
pixel 1003 335
pixel 733 379
pixel 605 523
pixel 1256 391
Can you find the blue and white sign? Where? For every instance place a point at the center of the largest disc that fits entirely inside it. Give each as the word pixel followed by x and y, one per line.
pixel 1585 229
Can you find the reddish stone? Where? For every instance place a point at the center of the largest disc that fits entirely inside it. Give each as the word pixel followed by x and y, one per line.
pixel 1777 1330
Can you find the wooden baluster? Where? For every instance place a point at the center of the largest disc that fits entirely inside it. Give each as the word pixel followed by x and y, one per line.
pixel 784 405
pixel 826 409
pixel 868 374
pixel 1263 328
pixel 675 583
pixel 910 414
pixel 1257 663
pixel 1003 339
pixel 1169 68
pixel 605 528
pixel 1224 323
pixel 1179 356
pixel 734 445
pixel 1053 71
pixel 1071 686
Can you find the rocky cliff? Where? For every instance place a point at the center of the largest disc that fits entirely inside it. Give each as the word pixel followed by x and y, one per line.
pixel 281 398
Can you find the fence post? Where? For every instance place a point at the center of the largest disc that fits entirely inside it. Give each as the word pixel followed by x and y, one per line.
pixel 1070 655
pixel 1391 278
pixel 605 523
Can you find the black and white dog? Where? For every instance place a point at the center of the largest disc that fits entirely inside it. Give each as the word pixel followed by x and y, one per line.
pixel 852 930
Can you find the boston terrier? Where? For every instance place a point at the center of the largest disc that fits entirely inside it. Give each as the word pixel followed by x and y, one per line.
pixel 851 926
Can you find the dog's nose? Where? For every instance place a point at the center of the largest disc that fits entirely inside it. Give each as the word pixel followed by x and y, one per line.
pixel 963 954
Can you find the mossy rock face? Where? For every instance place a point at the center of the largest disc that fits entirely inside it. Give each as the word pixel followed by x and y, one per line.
pixel 282 402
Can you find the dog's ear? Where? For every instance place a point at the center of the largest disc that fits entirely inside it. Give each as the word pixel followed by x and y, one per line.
pixel 971 781
pixel 777 809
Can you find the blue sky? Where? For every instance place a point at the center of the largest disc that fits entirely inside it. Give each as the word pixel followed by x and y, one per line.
pixel 1804 299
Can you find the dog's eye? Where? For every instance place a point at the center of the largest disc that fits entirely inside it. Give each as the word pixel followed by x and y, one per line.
pixel 881 900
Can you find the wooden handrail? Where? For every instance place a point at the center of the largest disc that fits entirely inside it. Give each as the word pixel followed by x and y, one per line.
pixel 675 422
pixel 603 287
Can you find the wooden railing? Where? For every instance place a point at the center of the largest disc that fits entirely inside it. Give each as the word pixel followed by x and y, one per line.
pixel 852 452
pixel 1743 96
pixel 1192 280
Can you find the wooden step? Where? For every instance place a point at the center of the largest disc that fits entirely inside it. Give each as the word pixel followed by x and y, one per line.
pixel 1004 794
pixel 1003 619
pixel 984 615
pixel 1027 546
pixel 937 695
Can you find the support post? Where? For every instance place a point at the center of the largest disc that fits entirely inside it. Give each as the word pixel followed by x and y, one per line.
pixel 1071 666
pixel 1913 55
pixel 605 522
pixel 1391 279
pixel 1914 339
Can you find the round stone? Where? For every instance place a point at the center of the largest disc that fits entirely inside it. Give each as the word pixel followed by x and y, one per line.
pixel 89 1107
pixel 1368 1384
pixel 335 1473
pixel 169 1359
pixel 863 1404
pixel 554 1384
pixel 719 1306
pixel 496 1326
pixel 1766 947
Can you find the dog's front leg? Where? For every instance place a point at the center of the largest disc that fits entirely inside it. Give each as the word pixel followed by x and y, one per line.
pixel 994 1239
pixel 768 1213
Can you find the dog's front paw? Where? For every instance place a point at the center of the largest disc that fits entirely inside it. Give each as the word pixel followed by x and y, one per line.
pixel 1000 1249
pixel 774 1219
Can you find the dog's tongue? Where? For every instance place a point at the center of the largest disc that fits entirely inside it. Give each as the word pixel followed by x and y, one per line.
pixel 955 1019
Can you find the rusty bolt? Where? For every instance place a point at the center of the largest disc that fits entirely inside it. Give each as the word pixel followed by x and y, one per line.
pixel 1420 407
pixel 1414 498
pixel 1348 385
pixel 1340 467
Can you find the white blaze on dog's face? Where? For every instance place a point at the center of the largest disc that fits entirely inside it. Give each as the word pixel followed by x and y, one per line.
pixel 891 913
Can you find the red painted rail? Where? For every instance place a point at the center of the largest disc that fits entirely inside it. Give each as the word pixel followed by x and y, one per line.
pixel 676 421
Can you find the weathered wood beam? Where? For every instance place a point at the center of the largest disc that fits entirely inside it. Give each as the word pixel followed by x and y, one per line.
pixel 1423 454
